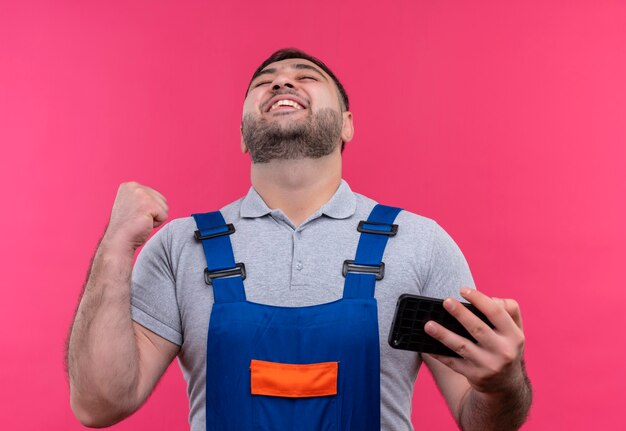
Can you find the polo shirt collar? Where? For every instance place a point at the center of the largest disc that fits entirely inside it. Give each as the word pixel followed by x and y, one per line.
pixel 341 205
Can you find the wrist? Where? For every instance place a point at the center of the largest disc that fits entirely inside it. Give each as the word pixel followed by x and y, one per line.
pixel 116 247
pixel 513 386
pixel 502 409
pixel 515 382
pixel 112 267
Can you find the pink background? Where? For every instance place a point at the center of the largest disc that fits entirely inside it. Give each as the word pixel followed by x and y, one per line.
pixel 504 121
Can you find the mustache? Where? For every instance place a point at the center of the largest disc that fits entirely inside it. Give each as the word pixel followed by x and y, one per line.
pixel 284 91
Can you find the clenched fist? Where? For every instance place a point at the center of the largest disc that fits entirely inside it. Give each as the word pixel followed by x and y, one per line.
pixel 137 210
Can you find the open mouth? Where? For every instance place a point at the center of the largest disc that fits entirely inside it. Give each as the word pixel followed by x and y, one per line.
pixel 285 103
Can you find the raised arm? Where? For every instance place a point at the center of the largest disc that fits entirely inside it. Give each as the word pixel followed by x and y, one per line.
pixel 114 363
pixel 486 389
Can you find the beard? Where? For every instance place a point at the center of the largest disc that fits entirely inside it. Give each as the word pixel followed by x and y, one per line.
pixel 313 137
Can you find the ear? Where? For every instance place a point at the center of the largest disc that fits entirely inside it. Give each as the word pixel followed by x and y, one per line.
pixel 347 129
pixel 244 149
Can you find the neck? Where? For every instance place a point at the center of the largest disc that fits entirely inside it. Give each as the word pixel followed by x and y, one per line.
pixel 297 187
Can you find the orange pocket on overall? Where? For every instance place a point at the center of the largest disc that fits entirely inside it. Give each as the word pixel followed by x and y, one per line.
pixel 293 380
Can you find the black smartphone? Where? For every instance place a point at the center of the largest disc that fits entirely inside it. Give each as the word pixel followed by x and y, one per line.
pixel 412 313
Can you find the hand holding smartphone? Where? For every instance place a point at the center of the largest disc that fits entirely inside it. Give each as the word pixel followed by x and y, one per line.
pixel 412 313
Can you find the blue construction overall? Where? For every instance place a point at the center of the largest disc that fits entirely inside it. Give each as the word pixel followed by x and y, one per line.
pixel 313 368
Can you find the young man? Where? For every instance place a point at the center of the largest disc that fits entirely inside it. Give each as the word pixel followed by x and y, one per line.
pixel 296 334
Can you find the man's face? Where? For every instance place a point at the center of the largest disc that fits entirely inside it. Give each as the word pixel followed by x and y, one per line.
pixel 293 111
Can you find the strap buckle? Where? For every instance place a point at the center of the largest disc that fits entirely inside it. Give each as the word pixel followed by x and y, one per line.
pixel 377 228
pixel 239 269
pixel 350 266
pixel 215 231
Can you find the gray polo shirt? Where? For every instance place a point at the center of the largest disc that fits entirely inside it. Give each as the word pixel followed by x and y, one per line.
pixel 293 266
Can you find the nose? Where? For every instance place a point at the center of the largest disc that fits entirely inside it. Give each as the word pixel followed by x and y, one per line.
pixel 282 80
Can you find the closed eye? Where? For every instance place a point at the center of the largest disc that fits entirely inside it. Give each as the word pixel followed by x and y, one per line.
pixel 258 84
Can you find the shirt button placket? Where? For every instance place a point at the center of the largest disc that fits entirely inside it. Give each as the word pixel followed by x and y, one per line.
pixel 297 261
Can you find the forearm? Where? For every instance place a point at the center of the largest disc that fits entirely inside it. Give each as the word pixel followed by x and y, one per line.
pixel 103 354
pixel 502 411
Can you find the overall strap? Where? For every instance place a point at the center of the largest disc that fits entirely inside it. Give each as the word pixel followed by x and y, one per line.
pixel 221 272
pixel 362 272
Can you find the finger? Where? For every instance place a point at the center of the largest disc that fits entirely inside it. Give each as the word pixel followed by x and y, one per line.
pixel 163 207
pixel 159 203
pixel 156 222
pixel 157 211
pixel 453 363
pixel 158 217
pixel 459 365
pixel 156 194
pixel 477 328
pixel 512 307
pixel 160 211
pixel 140 194
pixel 459 345
pixel 495 312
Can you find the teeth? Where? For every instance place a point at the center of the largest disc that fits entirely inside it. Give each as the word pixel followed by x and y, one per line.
pixel 285 102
